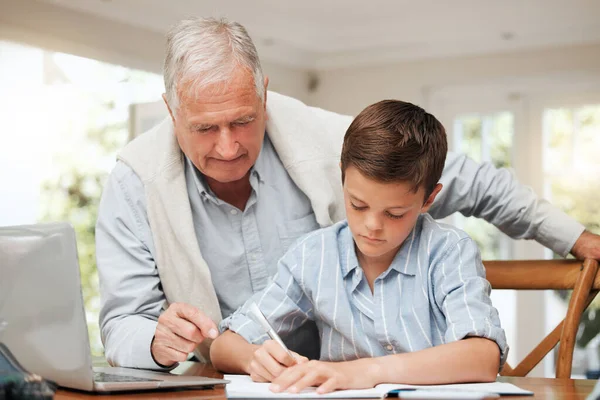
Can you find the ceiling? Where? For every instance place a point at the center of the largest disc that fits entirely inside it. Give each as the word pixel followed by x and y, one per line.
pixel 324 34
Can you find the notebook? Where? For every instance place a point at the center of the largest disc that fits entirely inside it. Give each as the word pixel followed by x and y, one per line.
pixel 242 387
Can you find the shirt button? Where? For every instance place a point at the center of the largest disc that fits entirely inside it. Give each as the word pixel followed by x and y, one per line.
pixel 389 347
pixel 233 212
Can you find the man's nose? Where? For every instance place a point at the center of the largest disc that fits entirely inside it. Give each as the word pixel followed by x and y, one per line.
pixel 227 146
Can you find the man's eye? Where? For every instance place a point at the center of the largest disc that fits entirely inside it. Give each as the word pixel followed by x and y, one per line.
pixel 241 123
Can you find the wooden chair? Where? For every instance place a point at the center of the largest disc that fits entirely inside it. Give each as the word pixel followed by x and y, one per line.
pixel 579 276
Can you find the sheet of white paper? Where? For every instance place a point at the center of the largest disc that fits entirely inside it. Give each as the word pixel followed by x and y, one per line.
pixel 241 386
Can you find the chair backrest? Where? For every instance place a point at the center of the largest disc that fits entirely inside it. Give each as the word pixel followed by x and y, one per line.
pixel 579 276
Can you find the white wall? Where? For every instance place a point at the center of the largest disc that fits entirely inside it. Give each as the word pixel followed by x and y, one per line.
pixel 350 90
pixel 55 28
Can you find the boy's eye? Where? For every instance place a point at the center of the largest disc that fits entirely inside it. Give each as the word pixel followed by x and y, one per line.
pixel 393 216
pixel 357 207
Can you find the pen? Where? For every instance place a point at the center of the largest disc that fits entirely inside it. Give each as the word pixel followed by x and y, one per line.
pixel 260 318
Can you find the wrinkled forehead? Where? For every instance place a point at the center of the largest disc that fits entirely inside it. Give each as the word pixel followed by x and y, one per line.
pixel 227 102
pixel 238 81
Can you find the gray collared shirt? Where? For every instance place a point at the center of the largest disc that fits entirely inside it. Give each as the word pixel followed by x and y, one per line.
pixel 241 248
pixel 434 292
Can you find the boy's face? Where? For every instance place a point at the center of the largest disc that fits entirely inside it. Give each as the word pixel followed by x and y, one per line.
pixel 382 215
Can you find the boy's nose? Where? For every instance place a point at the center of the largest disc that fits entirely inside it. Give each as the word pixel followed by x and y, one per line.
pixel 373 223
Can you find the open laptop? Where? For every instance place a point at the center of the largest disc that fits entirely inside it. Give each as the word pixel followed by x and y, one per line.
pixel 42 318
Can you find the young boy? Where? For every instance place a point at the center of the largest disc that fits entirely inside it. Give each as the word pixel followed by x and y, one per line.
pixel 397 297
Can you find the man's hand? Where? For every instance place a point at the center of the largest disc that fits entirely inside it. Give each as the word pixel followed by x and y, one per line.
pixel 270 360
pixel 587 246
pixel 180 329
pixel 328 376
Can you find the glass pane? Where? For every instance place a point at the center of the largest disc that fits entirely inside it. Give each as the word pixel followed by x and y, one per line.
pixel 587 144
pixel 559 139
pixel 471 137
pixel 486 138
pixel 500 139
pixel 67 117
pixel 571 154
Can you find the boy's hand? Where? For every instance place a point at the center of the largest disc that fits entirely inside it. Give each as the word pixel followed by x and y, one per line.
pixel 328 376
pixel 270 360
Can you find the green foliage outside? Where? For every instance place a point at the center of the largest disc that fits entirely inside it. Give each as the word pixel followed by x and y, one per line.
pixel 574 183
pixel 74 197
pixel 94 127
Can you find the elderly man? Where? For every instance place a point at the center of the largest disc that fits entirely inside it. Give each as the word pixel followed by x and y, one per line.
pixel 199 209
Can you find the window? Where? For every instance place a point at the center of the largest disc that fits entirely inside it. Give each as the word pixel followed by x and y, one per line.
pixel 549 133
pixel 64 118
pixel 571 166
pixel 572 161
pixel 485 138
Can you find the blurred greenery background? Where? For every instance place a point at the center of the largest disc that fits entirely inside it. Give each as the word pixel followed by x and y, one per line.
pixel 82 120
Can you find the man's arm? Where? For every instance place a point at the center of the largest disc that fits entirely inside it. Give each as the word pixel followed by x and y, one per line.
pixel 587 246
pixel 495 195
pixel 131 298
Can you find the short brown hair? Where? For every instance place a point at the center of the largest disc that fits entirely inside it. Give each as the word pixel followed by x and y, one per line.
pixel 395 141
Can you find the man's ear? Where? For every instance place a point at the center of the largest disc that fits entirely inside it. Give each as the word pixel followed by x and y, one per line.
pixel 431 198
pixel 164 96
pixel 265 101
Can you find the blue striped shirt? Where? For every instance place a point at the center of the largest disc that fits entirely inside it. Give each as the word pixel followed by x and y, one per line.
pixel 434 292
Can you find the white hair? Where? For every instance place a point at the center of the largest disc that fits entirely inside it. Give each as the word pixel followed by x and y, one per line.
pixel 205 51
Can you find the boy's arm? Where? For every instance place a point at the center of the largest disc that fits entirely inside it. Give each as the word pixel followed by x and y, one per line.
pixel 469 360
pixel 232 353
pixel 473 359
pixel 463 294
pixel 284 304
pixel 475 344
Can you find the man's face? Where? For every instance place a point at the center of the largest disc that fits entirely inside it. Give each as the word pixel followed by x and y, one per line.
pixel 381 215
pixel 221 129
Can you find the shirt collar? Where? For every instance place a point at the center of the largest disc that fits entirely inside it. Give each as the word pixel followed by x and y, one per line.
pixel 257 170
pixel 260 166
pixel 403 261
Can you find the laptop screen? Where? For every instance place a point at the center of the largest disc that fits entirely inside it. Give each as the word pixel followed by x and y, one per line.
pixel 42 318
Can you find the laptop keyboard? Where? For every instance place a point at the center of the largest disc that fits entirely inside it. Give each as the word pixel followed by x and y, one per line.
pixel 104 377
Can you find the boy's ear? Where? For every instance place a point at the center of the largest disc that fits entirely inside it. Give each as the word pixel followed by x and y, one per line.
pixel 431 198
